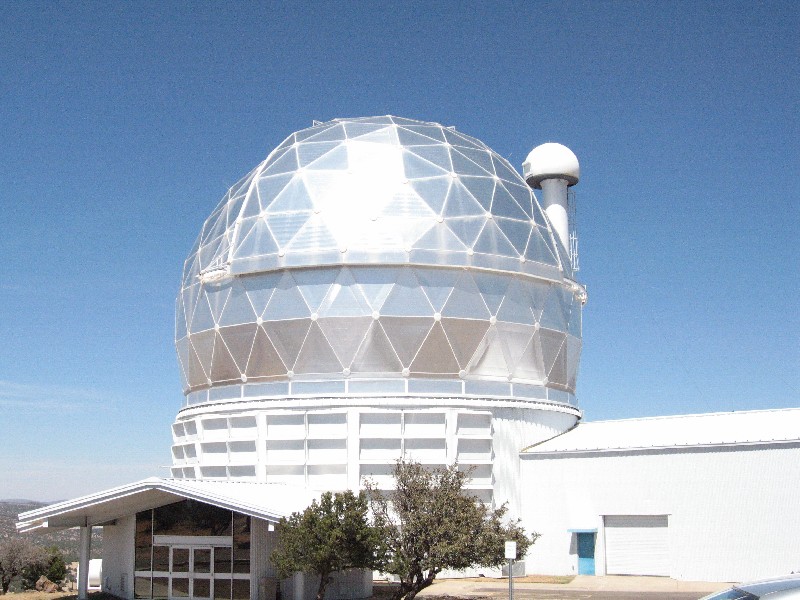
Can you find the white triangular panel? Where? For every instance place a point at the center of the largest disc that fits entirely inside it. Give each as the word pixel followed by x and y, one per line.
pixel 376 354
pixel 316 355
pixel 435 356
pixel 465 301
pixel 407 298
pixel 344 299
pixel 314 284
pixel 286 302
pixel 406 335
pixel 489 358
pixel 345 335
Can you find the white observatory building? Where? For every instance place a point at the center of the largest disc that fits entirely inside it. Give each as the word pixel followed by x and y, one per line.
pixel 381 288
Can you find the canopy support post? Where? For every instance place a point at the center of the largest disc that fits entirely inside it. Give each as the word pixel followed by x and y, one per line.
pixel 83 562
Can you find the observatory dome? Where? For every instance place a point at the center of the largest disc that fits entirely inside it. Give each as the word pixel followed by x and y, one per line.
pixel 378 248
pixel 375 191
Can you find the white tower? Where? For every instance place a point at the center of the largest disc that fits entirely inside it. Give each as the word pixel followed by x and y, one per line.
pixel 553 168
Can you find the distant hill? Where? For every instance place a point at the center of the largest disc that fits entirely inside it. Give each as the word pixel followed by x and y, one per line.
pixel 9 509
pixel 67 540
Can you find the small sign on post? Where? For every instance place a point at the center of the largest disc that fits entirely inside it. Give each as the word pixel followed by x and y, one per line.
pixel 511 550
pixel 511 555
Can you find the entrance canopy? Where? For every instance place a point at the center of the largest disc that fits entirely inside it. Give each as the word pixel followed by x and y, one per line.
pixel 265 501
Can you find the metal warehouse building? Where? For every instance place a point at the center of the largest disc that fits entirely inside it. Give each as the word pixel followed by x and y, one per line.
pixel 694 497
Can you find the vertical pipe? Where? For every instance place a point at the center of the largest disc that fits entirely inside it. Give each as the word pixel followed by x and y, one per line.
pixel 554 197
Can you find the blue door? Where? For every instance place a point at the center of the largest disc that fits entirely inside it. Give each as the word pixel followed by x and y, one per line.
pixel 586 553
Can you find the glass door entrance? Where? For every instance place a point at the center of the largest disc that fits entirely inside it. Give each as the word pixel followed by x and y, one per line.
pixel 184 571
pixel 190 572
pixel 190 550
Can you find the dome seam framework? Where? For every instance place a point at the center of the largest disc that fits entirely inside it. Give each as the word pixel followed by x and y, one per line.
pixel 348 172
pixel 379 247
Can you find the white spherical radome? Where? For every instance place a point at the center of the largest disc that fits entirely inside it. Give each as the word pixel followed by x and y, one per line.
pixel 551 161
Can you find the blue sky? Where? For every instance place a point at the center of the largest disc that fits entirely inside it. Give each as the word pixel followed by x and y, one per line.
pixel 123 124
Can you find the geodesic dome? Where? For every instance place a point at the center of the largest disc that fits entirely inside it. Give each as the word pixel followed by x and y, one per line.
pixel 378 249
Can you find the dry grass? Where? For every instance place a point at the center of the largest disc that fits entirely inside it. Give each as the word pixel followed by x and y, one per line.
pixel 549 579
pixel 383 591
pixel 380 590
pixel 33 595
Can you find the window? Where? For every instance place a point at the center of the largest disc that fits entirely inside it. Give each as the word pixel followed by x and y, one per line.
pixel 192 549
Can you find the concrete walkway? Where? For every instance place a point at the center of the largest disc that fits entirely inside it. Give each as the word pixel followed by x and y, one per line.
pixel 609 583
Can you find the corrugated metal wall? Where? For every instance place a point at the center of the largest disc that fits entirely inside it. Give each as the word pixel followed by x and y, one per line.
pixel 262 542
pixel 514 429
pixel 732 510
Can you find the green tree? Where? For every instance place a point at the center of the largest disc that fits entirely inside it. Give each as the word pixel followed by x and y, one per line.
pixel 331 535
pixel 430 523
pixel 54 568
pixel 16 555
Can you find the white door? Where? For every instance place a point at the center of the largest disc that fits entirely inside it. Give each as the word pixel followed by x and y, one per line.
pixel 637 545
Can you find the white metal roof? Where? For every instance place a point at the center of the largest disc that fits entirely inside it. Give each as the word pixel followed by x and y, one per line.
pixel 710 429
pixel 265 501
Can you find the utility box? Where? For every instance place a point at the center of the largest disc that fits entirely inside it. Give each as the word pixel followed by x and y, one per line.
pixel 518 570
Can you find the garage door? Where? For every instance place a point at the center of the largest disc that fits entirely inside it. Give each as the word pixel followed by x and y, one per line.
pixel 637 545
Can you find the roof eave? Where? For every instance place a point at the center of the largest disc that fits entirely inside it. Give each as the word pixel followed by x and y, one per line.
pixel 106 506
pixel 675 448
